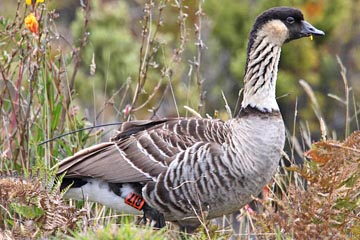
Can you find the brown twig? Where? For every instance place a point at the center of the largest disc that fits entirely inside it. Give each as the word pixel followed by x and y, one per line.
pixel 77 59
pixel 197 61
pixel 144 50
pixel 169 69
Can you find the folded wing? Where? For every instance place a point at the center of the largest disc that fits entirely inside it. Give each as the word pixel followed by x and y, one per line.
pixel 141 150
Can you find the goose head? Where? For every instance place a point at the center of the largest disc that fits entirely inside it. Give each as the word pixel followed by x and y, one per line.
pixel 271 30
pixel 283 24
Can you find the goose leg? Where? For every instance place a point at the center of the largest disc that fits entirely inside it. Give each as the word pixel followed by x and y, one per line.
pixel 153 215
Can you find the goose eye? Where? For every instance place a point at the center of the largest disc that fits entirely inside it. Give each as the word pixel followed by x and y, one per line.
pixel 290 20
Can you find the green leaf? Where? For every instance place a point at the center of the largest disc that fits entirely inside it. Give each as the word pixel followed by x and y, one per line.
pixel 29 212
pixel 351 181
pixel 345 203
pixel 56 116
pixel 355 230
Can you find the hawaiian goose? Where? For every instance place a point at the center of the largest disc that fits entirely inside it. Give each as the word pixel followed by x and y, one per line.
pixel 172 169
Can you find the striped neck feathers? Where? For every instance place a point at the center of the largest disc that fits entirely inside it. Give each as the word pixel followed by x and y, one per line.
pixel 262 67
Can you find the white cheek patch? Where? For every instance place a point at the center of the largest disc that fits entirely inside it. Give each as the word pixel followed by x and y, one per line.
pixel 275 31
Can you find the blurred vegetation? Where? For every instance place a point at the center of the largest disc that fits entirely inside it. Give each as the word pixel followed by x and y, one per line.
pixel 111 46
pixel 119 60
pixel 313 61
pixel 224 30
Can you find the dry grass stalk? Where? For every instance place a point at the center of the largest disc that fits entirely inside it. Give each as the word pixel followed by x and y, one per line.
pixel 330 206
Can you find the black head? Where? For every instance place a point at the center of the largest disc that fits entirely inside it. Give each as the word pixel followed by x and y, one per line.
pixel 283 24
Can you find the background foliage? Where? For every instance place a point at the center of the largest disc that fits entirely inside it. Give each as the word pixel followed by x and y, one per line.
pixel 225 27
pixel 111 61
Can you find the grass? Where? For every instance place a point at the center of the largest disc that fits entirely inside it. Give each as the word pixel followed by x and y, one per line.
pixel 320 198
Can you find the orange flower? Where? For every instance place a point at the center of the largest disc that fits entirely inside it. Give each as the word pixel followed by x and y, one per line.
pixel 31 23
pixel 31 2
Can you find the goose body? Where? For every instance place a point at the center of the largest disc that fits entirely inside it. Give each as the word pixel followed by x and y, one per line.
pixel 178 168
